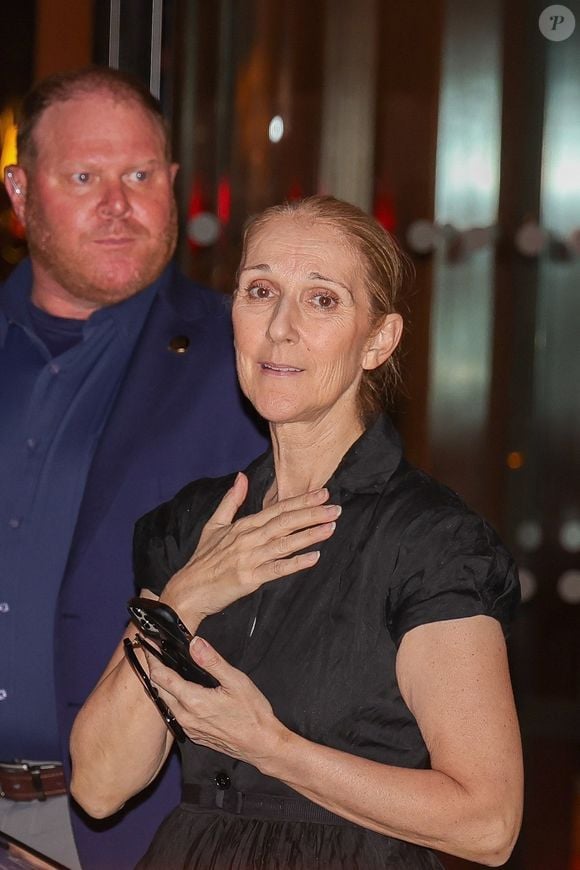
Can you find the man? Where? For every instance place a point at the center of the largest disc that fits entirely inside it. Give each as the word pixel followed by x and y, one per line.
pixel 117 387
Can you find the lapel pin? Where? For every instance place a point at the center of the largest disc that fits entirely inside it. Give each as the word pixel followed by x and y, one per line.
pixel 179 344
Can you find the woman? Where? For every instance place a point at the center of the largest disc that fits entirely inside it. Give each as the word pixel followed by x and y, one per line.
pixel 364 715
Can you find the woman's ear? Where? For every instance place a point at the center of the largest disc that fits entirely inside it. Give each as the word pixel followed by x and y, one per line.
pixel 381 345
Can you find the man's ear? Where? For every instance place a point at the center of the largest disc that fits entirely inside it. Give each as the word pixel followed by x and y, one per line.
pixel 15 184
pixel 381 345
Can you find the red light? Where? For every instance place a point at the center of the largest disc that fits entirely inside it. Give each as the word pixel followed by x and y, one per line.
pixel 295 192
pixel 384 212
pixel 224 201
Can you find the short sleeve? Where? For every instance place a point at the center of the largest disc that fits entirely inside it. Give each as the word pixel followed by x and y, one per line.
pixel 166 537
pixel 451 565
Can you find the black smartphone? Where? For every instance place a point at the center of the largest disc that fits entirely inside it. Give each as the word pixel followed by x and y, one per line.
pixel 160 623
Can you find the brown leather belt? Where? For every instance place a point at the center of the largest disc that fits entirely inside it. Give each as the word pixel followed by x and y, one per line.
pixel 28 781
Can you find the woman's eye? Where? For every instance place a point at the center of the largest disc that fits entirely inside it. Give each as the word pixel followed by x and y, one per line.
pixel 81 177
pixel 258 291
pixel 324 301
pixel 139 175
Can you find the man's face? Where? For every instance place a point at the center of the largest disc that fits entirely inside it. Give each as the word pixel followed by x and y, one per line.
pixel 97 202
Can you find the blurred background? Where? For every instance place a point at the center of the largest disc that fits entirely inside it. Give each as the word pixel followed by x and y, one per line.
pixel 457 124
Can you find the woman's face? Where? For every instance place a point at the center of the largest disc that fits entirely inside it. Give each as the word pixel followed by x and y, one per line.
pixel 301 323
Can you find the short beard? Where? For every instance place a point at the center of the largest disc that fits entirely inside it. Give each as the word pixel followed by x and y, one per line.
pixel 70 270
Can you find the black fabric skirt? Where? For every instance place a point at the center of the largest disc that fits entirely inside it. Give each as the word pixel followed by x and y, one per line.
pixel 192 839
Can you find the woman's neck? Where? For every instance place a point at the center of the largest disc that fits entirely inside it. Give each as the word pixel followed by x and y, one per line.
pixel 307 454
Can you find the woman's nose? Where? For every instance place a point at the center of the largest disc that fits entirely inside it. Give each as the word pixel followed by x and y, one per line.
pixel 282 325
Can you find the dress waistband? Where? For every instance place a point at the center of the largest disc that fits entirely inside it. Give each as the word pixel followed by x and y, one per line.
pixel 258 806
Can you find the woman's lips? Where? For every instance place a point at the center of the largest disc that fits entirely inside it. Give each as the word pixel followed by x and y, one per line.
pixel 280 369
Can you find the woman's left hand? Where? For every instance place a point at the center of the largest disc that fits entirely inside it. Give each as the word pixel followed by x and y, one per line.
pixel 235 718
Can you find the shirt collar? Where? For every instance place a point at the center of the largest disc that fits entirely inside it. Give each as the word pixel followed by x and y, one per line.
pixel 365 467
pixel 14 298
pixel 128 316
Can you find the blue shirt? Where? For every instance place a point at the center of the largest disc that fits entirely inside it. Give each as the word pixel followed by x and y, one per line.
pixel 52 411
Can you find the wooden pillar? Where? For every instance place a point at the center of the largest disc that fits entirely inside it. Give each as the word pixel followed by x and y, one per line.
pixel 409 61
pixel 64 35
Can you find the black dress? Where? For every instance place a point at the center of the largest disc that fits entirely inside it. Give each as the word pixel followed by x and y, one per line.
pixel 321 646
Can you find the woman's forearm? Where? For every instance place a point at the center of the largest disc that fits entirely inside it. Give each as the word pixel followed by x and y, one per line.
pixel 455 680
pixel 426 807
pixel 118 743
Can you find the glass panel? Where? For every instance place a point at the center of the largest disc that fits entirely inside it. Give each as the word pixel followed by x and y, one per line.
pixel 544 493
pixel 467 189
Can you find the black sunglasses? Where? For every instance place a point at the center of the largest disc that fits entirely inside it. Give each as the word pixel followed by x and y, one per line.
pixel 168 717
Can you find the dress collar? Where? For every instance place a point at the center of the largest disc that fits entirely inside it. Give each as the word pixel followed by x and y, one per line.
pixel 366 466
pixel 371 460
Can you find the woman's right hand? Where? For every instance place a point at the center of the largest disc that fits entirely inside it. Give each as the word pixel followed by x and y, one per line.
pixel 234 559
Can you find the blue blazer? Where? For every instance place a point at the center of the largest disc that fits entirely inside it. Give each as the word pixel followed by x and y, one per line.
pixel 178 416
